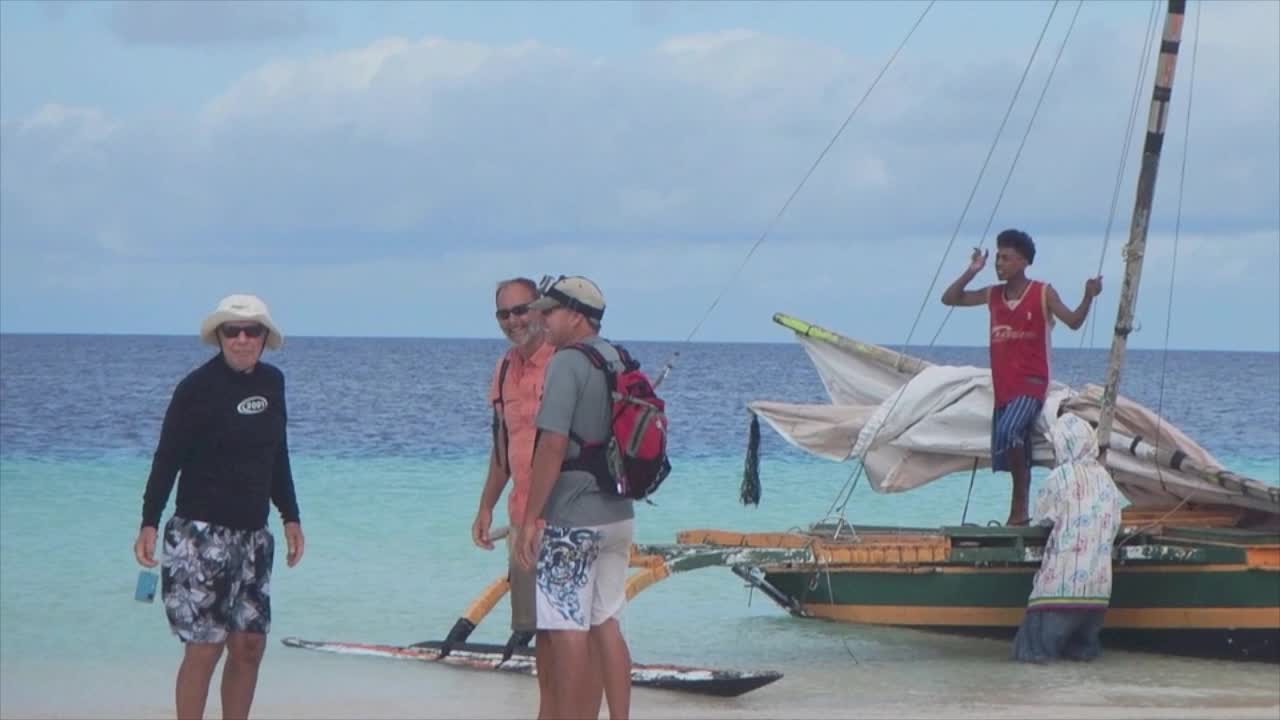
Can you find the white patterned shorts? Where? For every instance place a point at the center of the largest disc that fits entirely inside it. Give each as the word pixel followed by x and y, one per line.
pixel 216 580
pixel 581 576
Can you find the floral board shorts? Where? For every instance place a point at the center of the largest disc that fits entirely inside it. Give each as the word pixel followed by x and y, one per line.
pixel 581 576
pixel 216 580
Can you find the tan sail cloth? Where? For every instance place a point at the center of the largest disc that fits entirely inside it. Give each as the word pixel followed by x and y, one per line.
pixel 916 429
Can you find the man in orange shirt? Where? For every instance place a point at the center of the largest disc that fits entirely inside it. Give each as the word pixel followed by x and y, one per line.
pixel 515 393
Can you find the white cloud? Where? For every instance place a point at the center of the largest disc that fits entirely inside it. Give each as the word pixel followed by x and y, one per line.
pixel 703 44
pixel 397 159
pixel 87 123
pixel 73 135
pixel 337 89
pixel 707 134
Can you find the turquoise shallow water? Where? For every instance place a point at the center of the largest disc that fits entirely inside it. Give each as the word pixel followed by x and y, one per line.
pixel 388 480
pixel 399 567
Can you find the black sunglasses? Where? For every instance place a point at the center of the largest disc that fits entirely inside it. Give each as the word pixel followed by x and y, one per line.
pixel 231 332
pixel 517 310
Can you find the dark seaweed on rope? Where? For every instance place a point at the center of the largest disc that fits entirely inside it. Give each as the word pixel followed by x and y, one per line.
pixel 749 493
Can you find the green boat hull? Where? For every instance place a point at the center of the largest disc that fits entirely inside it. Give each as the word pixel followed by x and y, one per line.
pixel 1209 611
pixel 1203 591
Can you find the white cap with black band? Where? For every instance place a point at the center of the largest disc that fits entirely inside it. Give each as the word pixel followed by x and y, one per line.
pixel 574 293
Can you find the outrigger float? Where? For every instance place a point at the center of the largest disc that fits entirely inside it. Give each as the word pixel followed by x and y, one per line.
pixel 480 656
pixel 1186 583
pixel 517 657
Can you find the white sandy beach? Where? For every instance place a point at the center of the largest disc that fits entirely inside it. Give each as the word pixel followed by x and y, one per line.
pixel 297 684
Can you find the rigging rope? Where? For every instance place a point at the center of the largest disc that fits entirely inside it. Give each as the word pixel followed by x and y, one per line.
pixel 1177 231
pixel 841 501
pixel 666 368
pixel 812 168
pixel 1022 144
pixel 1144 64
pixel 969 495
pixel 981 172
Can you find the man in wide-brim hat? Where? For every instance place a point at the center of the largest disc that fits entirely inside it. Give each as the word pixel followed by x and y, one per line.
pixel 224 441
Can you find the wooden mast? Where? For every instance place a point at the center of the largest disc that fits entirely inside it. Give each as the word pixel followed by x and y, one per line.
pixel 1136 246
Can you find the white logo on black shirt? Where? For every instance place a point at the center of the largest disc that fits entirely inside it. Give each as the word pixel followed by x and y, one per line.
pixel 252 405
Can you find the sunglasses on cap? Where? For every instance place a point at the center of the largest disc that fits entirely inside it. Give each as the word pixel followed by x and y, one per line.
pixel 517 310
pixel 231 332
pixel 547 283
pixel 548 288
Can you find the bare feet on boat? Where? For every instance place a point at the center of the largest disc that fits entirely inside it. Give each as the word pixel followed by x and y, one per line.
pixel 1018 521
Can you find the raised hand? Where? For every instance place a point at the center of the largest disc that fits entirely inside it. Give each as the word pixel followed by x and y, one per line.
pixel 1093 287
pixel 978 260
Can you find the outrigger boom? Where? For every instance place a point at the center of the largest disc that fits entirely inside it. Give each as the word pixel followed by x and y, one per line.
pixel 516 657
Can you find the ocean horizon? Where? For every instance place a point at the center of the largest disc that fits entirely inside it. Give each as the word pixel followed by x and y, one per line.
pixel 1100 345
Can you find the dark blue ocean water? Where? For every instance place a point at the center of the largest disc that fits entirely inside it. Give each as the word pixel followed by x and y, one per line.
pixel 81 397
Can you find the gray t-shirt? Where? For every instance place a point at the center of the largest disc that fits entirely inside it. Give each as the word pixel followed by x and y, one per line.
pixel 575 397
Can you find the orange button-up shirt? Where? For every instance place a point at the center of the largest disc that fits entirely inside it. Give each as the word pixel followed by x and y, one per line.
pixel 521 393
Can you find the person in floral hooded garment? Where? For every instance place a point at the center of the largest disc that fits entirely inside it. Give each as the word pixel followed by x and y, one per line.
pixel 1072 588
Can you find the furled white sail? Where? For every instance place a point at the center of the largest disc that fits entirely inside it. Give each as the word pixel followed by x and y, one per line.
pixel 911 423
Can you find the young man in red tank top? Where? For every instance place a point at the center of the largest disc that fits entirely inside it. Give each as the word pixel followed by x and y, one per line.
pixel 1022 317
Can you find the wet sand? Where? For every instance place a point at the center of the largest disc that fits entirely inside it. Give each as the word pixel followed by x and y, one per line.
pixel 299 684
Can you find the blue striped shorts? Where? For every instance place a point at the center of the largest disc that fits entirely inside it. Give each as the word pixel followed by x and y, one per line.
pixel 1011 426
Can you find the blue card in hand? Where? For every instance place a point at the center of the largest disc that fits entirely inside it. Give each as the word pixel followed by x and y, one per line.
pixel 146 591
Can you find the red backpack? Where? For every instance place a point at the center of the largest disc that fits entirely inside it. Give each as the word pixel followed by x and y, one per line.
pixel 632 462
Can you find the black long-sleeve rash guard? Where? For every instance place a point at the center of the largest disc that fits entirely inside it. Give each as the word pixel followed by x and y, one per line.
pixel 225 431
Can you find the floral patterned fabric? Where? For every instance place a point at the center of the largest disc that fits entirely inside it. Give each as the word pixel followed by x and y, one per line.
pixel 1083 505
pixel 216 580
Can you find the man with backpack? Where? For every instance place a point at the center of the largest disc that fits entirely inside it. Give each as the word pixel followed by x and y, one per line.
pixel 582 491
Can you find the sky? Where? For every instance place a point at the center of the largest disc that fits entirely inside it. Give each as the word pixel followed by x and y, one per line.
pixel 373 169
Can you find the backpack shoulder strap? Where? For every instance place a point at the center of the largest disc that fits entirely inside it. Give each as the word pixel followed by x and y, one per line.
pixel 502 377
pixel 610 379
pixel 628 363
pixel 499 422
pixel 597 360
pixel 592 354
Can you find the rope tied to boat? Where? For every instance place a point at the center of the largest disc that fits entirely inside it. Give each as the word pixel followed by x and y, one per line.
pixel 968 496
pixel 1142 529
